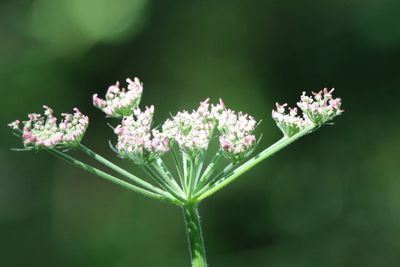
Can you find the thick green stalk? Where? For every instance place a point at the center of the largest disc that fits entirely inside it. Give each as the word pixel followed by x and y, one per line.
pixel 110 178
pixel 254 161
pixel 194 234
pixel 120 170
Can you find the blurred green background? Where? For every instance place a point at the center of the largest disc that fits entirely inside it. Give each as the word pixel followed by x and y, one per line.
pixel 330 199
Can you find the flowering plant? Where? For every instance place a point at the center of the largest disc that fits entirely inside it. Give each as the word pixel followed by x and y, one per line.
pixel 186 136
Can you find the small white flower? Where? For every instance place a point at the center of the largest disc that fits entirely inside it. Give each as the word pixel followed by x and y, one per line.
pixel 137 141
pixel 290 124
pixel 42 131
pixel 192 131
pixel 237 139
pixel 120 102
pixel 321 107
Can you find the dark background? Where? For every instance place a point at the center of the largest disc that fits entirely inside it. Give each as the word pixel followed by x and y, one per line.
pixel 330 199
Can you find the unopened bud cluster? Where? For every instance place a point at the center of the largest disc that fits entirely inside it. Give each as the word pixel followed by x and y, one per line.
pixel 118 101
pixel 318 109
pixel 43 131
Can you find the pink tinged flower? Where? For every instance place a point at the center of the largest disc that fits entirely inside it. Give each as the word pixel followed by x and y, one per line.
pixel 14 125
pixel 236 128
pixel 225 144
pixel 98 102
pixel 42 131
pixel 73 127
pixel 118 101
pixel 136 140
pixel 289 123
pixel 321 107
pixel 192 131
pixel 135 85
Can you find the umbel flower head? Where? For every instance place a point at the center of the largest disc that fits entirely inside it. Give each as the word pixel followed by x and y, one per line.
pixel 43 132
pixel 237 139
pixel 321 107
pixel 193 131
pixel 317 110
pixel 120 102
pixel 289 123
pixel 137 141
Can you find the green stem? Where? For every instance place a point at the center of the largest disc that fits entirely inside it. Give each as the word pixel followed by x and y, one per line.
pixel 162 169
pixel 178 166
pixel 198 168
pixel 217 178
pixel 186 172
pixel 162 183
pixel 110 178
pixel 194 235
pixel 193 165
pixel 120 170
pixel 255 160
pixel 209 170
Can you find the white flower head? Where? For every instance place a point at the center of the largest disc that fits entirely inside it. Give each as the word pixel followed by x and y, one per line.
pixel 321 107
pixel 191 131
pixel 289 123
pixel 43 132
pixel 137 141
pixel 237 139
pixel 118 101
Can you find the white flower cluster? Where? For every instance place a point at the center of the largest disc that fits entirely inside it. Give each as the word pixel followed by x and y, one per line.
pixel 192 131
pixel 42 131
pixel 320 108
pixel 137 141
pixel 120 102
pixel 290 124
pixel 237 138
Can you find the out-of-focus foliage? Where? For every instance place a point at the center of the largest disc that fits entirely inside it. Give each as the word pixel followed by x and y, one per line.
pixel 69 26
pixel 331 199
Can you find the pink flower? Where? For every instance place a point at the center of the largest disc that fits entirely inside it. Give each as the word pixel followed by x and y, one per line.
pixel 118 101
pixel 289 124
pixel 43 131
pixel 137 141
pixel 321 107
